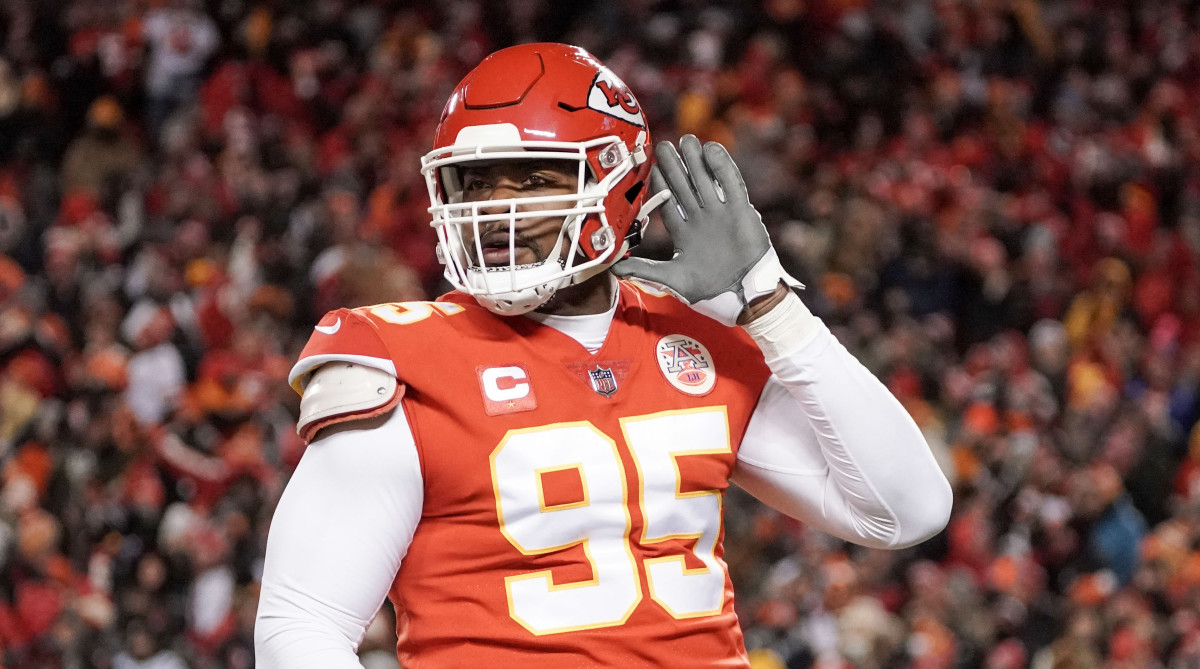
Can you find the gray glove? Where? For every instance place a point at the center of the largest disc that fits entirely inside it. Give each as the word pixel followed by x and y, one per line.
pixel 723 257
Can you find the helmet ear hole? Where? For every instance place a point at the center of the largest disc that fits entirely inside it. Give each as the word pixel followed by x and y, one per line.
pixel 632 193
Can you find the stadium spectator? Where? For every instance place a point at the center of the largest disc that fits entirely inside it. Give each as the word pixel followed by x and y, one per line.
pixel 180 37
pixel 940 174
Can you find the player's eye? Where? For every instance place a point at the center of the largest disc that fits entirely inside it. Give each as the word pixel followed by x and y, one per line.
pixel 474 184
pixel 547 179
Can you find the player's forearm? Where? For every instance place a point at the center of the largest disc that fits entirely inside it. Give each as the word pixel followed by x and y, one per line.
pixel 887 490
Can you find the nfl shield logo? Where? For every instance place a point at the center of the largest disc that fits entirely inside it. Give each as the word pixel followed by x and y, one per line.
pixel 603 380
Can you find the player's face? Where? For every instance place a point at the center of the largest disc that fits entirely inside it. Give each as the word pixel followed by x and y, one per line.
pixel 535 236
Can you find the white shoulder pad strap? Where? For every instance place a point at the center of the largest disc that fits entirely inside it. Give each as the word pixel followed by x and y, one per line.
pixel 344 388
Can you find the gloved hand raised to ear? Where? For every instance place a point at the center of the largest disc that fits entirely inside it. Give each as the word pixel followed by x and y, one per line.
pixel 723 256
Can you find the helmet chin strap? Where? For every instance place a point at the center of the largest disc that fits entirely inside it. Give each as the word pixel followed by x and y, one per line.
pixel 517 302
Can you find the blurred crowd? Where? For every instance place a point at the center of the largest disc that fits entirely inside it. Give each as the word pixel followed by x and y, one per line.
pixel 995 204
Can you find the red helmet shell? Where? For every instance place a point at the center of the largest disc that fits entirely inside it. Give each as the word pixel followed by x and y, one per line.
pixel 557 93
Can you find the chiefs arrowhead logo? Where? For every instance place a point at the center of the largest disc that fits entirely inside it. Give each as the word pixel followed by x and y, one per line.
pixel 610 96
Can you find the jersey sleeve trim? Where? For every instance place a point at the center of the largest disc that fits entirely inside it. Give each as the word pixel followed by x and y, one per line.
pixel 298 377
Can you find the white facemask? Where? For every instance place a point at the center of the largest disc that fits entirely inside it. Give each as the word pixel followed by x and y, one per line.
pixel 515 289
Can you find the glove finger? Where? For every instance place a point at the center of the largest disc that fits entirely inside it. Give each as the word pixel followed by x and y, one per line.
pixel 726 172
pixel 673 170
pixel 656 271
pixel 697 166
pixel 672 216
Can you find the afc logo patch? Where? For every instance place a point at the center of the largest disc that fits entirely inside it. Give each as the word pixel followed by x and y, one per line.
pixel 686 364
pixel 609 95
pixel 506 389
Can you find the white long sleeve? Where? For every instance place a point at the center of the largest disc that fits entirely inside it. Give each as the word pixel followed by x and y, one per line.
pixel 339 533
pixel 828 444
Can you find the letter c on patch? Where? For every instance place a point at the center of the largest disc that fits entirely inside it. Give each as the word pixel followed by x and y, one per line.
pixel 502 384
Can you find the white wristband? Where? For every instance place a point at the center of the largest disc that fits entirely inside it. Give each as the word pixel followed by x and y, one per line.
pixel 785 329
pixel 761 279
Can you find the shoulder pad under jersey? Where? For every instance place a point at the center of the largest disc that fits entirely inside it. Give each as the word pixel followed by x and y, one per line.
pixel 339 391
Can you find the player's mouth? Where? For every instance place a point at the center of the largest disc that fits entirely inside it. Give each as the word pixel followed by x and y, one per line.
pixel 497 252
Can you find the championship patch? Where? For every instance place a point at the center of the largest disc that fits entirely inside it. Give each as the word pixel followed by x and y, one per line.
pixel 686 364
pixel 506 389
pixel 603 376
pixel 609 95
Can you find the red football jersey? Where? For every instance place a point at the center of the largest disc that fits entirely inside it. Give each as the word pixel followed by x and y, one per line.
pixel 572 510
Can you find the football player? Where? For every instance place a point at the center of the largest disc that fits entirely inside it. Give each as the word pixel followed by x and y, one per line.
pixel 532 468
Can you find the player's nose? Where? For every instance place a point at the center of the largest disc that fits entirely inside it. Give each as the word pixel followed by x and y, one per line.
pixel 499 199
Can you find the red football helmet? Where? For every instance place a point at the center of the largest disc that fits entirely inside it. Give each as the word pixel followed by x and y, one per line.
pixel 540 101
